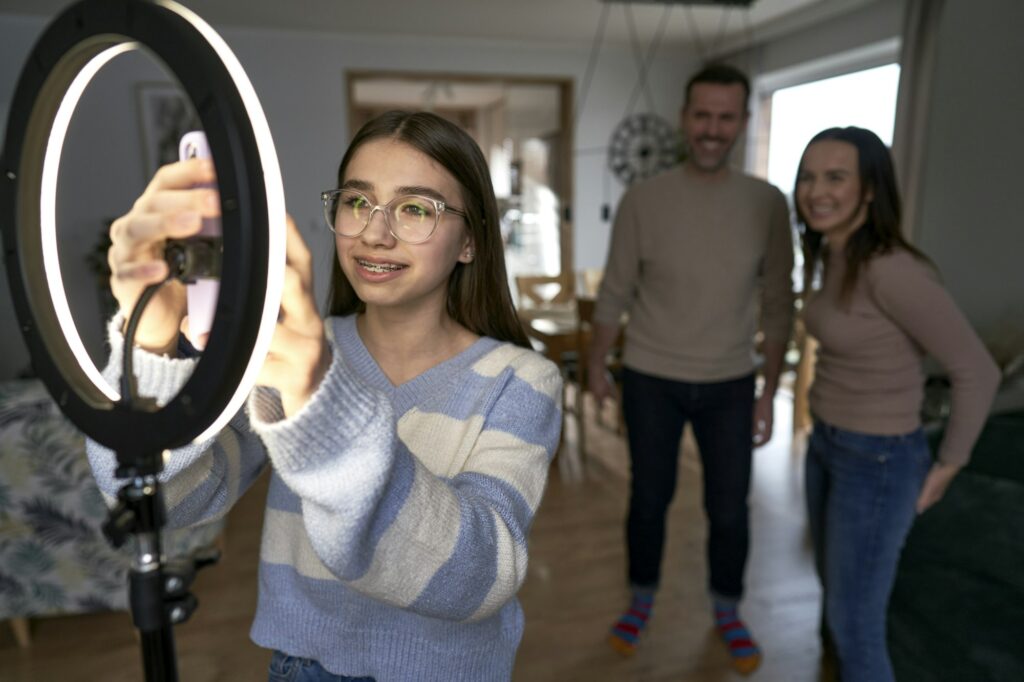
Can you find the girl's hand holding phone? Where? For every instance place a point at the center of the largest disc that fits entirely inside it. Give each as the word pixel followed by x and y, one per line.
pixel 170 208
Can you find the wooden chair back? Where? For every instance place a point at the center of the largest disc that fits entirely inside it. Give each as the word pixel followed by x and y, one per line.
pixel 541 291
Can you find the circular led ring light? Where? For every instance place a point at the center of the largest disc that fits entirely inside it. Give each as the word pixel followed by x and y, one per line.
pixel 70 52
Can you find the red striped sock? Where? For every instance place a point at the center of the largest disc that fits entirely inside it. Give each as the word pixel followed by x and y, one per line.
pixel 744 653
pixel 627 629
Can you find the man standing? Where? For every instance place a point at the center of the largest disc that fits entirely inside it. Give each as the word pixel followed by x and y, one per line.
pixel 690 250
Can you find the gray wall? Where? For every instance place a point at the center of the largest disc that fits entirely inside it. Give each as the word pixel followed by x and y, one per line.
pixel 870 23
pixel 970 218
pixel 16 38
pixel 299 78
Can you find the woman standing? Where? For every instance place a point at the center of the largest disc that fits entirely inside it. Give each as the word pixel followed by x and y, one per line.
pixel 879 309
pixel 409 434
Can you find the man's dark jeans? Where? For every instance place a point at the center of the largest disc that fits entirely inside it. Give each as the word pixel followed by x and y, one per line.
pixel 721 413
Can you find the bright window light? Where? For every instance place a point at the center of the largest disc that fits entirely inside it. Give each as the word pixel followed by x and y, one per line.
pixel 866 99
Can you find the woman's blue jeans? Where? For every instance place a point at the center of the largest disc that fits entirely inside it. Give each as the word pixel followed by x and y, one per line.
pixel 285 668
pixel 861 495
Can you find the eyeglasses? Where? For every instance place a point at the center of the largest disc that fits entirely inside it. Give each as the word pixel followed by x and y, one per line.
pixel 410 218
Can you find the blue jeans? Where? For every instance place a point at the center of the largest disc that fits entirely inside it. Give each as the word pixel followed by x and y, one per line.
pixel 861 494
pixel 656 411
pixel 285 668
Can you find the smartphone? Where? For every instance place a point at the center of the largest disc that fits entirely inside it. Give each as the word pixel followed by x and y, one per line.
pixel 197 261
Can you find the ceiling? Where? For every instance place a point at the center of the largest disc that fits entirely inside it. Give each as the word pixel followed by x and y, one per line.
pixel 695 24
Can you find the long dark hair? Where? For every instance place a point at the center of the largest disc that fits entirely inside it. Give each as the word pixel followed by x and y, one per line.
pixel 478 295
pixel 881 231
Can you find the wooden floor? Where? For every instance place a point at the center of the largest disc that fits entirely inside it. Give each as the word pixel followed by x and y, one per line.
pixel 575 588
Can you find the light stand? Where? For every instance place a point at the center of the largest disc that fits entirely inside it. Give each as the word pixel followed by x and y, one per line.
pixel 140 512
pixel 72 49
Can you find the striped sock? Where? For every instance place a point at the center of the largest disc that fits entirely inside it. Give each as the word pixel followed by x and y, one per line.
pixel 627 629
pixel 743 650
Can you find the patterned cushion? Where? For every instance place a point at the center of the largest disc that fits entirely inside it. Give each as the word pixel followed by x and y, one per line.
pixel 53 556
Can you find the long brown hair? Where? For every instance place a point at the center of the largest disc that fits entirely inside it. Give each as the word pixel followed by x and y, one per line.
pixel 478 295
pixel 881 231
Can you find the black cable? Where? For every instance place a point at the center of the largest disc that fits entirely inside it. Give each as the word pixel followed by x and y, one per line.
pixel 591 62
pixel 722 24
pixel 127 374
pixel 641 85
pixel 695 33
pixel 748 34
pixel 638 55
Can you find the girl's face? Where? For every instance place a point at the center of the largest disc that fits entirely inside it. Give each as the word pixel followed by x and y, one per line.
pixel 828 190
pixel 384 271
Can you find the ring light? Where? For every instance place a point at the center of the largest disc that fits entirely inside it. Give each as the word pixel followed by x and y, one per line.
pixel 73 48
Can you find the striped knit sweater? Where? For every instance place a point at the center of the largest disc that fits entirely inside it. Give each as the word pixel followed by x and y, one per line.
pixel 394 540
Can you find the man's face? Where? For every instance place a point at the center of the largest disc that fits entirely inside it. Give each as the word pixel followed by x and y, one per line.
pixel 714 116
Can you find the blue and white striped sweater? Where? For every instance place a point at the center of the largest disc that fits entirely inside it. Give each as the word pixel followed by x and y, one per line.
pixel 395 532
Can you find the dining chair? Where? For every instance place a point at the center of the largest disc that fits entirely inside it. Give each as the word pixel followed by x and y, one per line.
pixel 575 373
pixel 539 294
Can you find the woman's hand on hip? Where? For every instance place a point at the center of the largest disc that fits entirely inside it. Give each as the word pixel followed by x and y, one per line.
pixel 935 484
pixel 299 353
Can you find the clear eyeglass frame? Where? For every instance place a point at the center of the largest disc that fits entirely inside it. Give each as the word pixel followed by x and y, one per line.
pixel 328 198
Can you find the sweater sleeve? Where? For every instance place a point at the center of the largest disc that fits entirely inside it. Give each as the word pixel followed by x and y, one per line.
pixel 201 481
pixel 777 277
pixel 909 292
pixel 379 520
pixel 622 268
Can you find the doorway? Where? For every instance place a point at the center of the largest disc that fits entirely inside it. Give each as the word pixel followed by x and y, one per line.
pixel 523 126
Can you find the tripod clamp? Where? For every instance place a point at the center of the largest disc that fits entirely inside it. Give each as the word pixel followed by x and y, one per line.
pixel 158 590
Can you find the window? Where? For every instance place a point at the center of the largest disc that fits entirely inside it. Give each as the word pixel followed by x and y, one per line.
pixel 866 99
pixel 856 88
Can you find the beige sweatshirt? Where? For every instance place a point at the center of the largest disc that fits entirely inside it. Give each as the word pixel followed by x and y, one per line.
pixel 687 258
pixel 869 376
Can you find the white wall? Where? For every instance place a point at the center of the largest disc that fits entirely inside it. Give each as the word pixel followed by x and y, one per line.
pixel 299 77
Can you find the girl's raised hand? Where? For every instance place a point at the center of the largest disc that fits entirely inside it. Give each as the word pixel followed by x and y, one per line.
pixel 299 353
pixel 171 207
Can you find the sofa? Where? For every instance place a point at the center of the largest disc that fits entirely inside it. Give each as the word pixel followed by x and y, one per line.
pixel 957 609
pixel 54 558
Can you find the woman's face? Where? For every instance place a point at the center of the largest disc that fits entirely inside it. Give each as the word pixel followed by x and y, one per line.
pixel 384 271
pixel 828 190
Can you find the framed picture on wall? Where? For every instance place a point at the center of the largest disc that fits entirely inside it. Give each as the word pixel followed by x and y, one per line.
pixel 165 114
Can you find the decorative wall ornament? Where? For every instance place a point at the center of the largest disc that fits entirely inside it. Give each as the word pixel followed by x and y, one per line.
pixel 643 145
